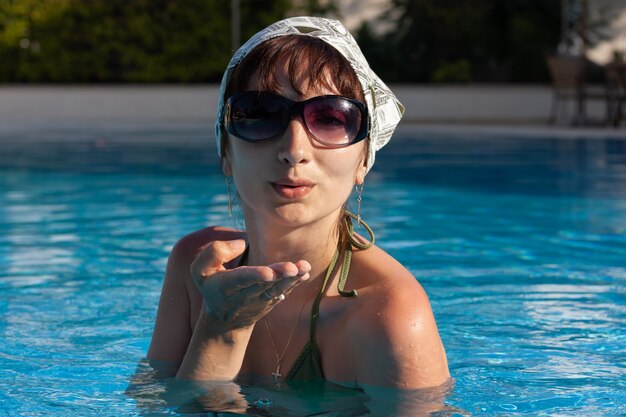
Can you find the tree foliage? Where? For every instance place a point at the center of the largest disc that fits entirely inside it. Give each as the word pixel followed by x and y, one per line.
pixel 189 41
pixel 463 40
pixel 121 40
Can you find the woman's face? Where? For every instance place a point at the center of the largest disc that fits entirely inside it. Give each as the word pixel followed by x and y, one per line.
pixel 292 179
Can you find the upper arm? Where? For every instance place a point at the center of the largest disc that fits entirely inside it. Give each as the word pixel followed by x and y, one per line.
pixel 172 330
pixel 399 340
pixel 180 302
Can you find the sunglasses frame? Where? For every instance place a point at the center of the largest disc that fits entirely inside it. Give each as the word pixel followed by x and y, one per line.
pixel 295 107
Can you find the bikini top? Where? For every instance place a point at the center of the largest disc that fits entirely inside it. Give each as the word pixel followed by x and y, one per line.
pixel 308 364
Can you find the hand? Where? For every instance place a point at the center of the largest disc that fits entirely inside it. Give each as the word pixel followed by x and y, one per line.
pixel 238 297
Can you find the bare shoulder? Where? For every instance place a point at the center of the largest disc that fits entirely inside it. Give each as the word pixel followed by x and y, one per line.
pixel 180 300
pixel 398 339
pixel 188 247
pixel 185 252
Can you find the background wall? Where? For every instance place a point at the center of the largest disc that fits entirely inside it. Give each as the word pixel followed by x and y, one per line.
pixel 67 105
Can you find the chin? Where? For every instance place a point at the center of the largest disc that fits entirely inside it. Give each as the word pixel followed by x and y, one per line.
pixel 293 215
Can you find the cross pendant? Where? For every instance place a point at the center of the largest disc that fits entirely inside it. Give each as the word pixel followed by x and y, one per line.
pixel 276 374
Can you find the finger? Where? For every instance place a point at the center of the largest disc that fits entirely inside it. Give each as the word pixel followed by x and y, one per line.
pixel 248 276
pixel 264 276
pixel 284 269
pixel 268 296
pixel 266 291
pixel 303 267
pixel 281 288
pixel 289 276
pixel 215 255
pixel 260 298
pixel 291 269
pixel 260 278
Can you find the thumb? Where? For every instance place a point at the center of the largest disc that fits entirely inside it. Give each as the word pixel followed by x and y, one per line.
pixel 215 255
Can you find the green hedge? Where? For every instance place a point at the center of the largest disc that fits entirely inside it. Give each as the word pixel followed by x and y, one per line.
pixel 189 40
pixel 123 40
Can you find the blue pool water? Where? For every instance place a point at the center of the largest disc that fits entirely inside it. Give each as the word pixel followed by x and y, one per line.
pixel 520 243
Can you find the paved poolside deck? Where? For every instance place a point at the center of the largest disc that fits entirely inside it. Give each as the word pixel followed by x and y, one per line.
pixel 472 109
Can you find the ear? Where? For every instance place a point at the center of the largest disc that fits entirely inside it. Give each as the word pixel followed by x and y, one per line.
pixel 361 171
pixel 227 170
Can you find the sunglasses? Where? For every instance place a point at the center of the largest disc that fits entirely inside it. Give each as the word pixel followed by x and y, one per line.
pixel 333 121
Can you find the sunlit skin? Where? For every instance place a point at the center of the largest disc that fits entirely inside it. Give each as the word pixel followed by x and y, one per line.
pixel 292 193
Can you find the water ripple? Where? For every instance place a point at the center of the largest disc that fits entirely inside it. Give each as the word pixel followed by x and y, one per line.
pixel 521 254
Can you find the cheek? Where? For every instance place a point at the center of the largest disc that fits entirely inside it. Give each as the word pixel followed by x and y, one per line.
pixel 345 168
pixel 243 157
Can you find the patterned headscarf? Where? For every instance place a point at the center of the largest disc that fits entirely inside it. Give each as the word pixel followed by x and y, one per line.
pixel 384 108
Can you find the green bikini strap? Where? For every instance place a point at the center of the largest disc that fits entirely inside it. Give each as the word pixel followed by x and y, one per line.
pixel 345 269
pixel 350 231
pixel 316 304
pixel 347 257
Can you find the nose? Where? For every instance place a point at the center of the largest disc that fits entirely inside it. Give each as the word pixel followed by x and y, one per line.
pixel 295 146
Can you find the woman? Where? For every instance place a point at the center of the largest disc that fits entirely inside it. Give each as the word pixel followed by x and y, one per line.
pixel 297 295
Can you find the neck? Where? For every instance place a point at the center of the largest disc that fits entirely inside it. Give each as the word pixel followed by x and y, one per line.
pixel 315 242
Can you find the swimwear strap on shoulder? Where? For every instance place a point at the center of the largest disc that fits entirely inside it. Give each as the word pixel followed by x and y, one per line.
pixel 343 276
pixel 347 257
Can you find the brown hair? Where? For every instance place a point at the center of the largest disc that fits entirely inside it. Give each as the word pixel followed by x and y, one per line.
pixel 326 68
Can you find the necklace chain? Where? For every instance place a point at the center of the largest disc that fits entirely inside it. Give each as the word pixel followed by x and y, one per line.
pixel 279 359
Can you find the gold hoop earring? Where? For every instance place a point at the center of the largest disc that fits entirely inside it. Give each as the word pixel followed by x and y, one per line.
pixel 229 181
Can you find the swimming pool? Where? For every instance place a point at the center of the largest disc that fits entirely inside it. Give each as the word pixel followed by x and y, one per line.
pixel 520 244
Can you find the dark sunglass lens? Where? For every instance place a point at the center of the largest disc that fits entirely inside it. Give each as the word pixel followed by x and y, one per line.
pixel 333 121
pixel 257 117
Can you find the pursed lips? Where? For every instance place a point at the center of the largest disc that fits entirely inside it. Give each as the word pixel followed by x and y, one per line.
pixel 291 188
